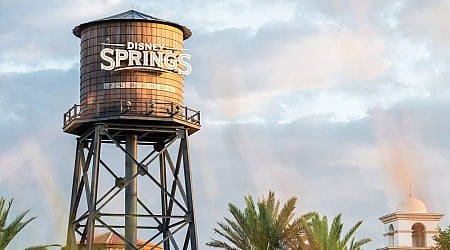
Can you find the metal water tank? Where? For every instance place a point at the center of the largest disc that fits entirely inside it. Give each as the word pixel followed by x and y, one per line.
pixel 132 67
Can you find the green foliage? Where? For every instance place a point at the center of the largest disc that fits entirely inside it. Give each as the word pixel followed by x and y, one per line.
pixel 322 236
pixel 8 232
pixel 263 226
pixel 260 226
pixel 442 239
pixel 43 247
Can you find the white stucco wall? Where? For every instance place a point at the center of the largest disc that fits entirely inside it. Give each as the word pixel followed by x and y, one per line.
pixel 403 232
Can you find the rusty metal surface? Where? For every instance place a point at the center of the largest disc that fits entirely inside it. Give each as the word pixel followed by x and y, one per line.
pixel 78 117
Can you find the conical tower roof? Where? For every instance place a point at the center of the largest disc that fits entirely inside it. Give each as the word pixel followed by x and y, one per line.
pixel 134 15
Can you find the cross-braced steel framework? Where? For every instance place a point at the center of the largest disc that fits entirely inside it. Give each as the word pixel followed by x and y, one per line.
pixel 167 222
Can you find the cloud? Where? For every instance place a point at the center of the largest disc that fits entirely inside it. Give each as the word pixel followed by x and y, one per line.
pixel 11 67
pixel 427 21
pixel 249 75
pixel 314 99
pixel 347 104
pixel 309 68
pixel 412 62
pixel 221 15
pixel 399 150
pixel 27 49
pixel 9 112
pixel 26 163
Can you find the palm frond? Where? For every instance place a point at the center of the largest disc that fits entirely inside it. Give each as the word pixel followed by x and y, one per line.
pixel 316 228
pixel 261 225
pixel 42 247
pixel 352 231
pixel 358 244
pixel 335 231
pixel 8 232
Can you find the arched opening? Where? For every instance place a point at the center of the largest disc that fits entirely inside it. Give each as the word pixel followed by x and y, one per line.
pixel 418 235
pixel 391 235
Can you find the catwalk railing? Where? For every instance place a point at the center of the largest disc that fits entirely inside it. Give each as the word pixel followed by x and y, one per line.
pixel 132 109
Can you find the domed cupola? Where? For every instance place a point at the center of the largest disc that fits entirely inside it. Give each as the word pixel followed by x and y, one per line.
pixel 411 226
pixel 412 205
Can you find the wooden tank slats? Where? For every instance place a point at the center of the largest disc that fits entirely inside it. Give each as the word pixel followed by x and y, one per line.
pixel 155 88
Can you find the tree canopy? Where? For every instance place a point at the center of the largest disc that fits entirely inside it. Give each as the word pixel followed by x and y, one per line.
pixel 264 226
pixel 259 226
pixel 8 232
pixel 442 239
pixel 321 235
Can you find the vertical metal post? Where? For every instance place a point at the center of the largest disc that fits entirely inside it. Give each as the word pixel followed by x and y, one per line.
pixel 163 179
pixel 131 192
pixel 192 231
pixel 71 241
pixel 94 186
pixel 86 182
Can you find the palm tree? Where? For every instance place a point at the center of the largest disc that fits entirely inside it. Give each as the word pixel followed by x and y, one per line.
pixel 320 236
pixel 261 226
pixel 8 232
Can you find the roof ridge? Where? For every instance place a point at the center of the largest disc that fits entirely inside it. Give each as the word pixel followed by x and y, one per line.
pixel 109 237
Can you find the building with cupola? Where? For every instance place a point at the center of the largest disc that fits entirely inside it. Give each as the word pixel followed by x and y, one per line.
pixel 411 227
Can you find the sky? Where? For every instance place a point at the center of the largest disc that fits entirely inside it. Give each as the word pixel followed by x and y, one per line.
pixel 343 104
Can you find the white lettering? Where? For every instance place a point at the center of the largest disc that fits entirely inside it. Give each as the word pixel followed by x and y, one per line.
pixel 121 55
pixel 140 55
pixel 145 54
pixel 156 59
pixel 134 57
pixel 130 45
pixel 105 57
pixel 170 61
pixel 186 67
pixel 139 85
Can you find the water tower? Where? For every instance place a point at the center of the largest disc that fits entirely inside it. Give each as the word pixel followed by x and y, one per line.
pixel 132 174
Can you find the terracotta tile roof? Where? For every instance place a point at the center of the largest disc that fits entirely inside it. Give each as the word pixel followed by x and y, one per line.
pixel 110 238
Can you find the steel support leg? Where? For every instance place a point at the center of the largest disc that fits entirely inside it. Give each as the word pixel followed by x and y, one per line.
pixel 71 243
pixel 131 192
pixel 173 228
pixel 192 231
pixel 163 180
pixel 94 185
